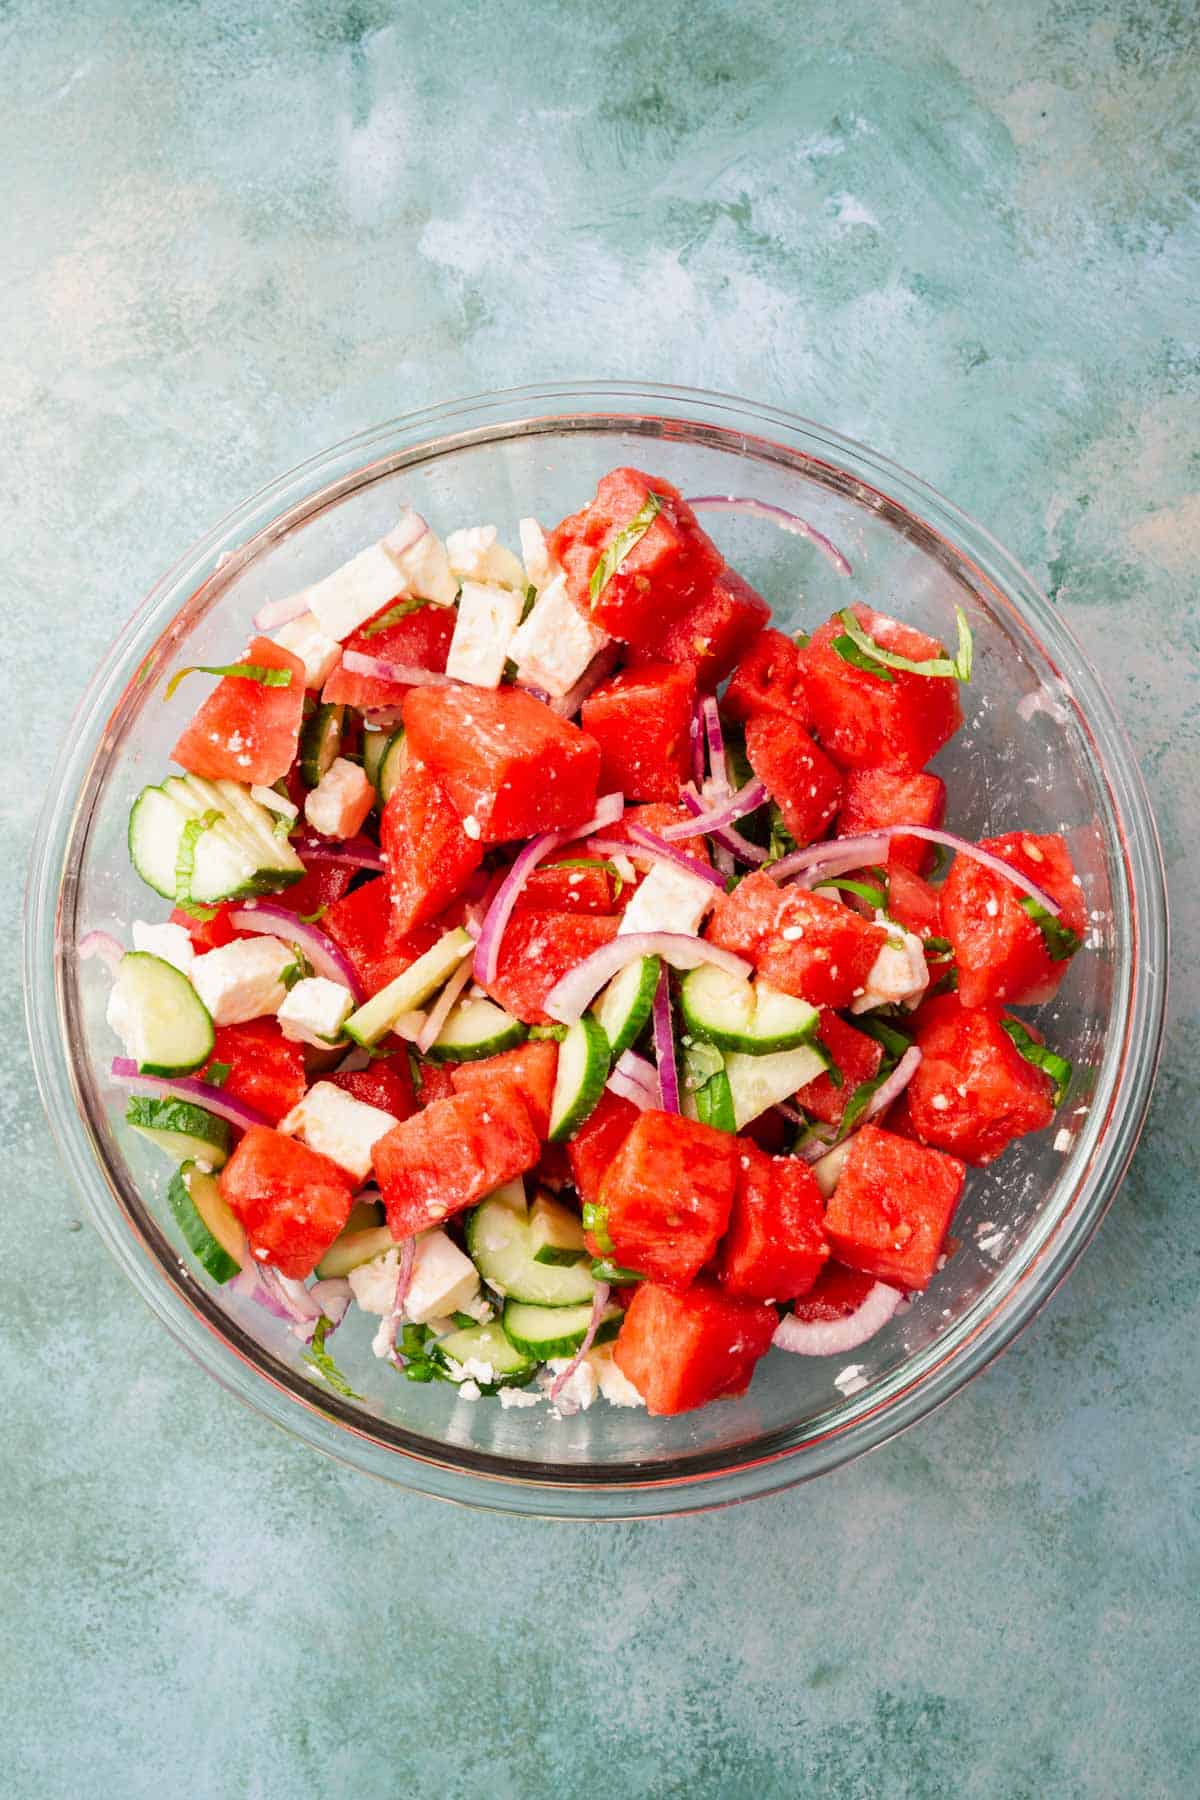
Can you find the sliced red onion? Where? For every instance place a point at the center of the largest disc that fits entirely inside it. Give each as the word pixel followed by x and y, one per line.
pixel 491 934
pixel 324 955
pixel 353 853
pixel 440 1011
pixel 894 1086
pixel 333 1296
pixel 569 998
pixel 406 534
pixel 602 664
pixel 103 946
pixel 725 837
pixel 281 612
pixel 186 1087
pixel 746 800
pixel 724 858
pixel 696 740
pixel 635 1079
pixel 293 1296
pixel 664 1043
pixel 852 853
pixel 867 848
pixel 787 521
pixel 661 851
pixel 404 1275
pixel 405 674
pixel 599 1302
pixel 715 740
pixel 834 1337
pixel 247 1284
pixel 790 1113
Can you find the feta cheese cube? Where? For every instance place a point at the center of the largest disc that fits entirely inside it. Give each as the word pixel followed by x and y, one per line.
pixel 338 806
pixel 443 1279
pixel 898 976
pixel 354 593
pixel 338 1126
pixel 540 566
pixel 170 942
pixel 317 651
pixel 617 1388
pixel 577 1391
pixel 556 643
pixel 373 1283
pixel 243 980
pixel 669 899
pixel 474 555
pixel 487 617
pixel 423 563
pixel 314 1011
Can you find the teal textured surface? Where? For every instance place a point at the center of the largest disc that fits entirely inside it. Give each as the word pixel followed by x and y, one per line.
pixel 968 235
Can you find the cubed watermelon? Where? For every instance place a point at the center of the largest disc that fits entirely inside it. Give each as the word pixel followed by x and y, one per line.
pixel 671 566
pixel 291 1201
pixel 510 766
pixel 801 942
pixel 324 883
pixel 537 950
pixel 974 1092
pixel 387 1084
pixel 775 1245
pixel 798 775
pixel 1002 954
pixel 556 887
pixel 246 731
pixel 597 1141
pixel 266 1070
pixel 530 1067
pixel 656 818
pixel 421 640
pixel 436 1083
pixel 641 720
pixel 836 1293
pixel 451 1154
pixel 714 631
pixel 891 1208
pixel 210 933
pixel 667 1195
pixel 913 903
pixel 682 1350
pixel 363 926
pixel 875 797
pixel 768 679
pixel 867 721
pixel 428 855
pixel 857 1057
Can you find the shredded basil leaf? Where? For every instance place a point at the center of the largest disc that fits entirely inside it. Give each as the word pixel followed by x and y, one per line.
pixel 714 1103
pixel 312 917
pixel 941 856
pixel 849 652
pixel 938 946
pixel 464 1321
pixel 318 1358
pixel 801 639
pixel 894 1042
pixel 866 890
pixel 622 544
pixel 1049 1061
pixel 831 1069
pixel 185 862
pixel 954 668
pixel 1061 942
pixel 411 603
pixel 241 671
pixel 299 970
pixel 217 1074
pixel 858 1102
pixel 595 1221
pixel 781 842
pixel 529 602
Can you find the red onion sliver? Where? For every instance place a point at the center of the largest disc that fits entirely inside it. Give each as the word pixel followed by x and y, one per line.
pixel 661 851
pixel 569 997
pixel 787 521
pixel 281 612
pixel 894 1086
pixel 247 1284
pixel 716 747
pixel 746 800
pixel 403 674
pixel 293 1296
pixel 125 1072
pixel 834 1337
pixel 724 837
pixel 866 846
pixel 602 664
pixel 637 1079
pixel 404 1275
pixel 495 922
pixel 324 955
pixel 696 740
pixel 333 1296
pixel 626 1088
pixel 664 1043
pixel 599 1302
pixel 103 946
pixel 406 534
pixel 440 1011
pixel 354 853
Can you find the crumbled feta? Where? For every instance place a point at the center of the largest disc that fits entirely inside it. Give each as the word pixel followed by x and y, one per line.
pixel 474 555
pixel 1062 1141
pixel 578 1390
pixel 316 650
pixel 616 1388
pixel 540 566
pixel 475 1369
pixel 898 975
pixel 469 1390
pixel 243 980
pixel 170 942
pixel 338 806
pixel 511 1396
pixel 276 803
pixel 487 617
pixel 315 1010
pixel 373 1283
pixel 556 643
pixel 668 900
pixel 337 1125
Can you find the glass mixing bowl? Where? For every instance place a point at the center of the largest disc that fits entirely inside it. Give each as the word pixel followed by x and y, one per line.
pixel 1042 749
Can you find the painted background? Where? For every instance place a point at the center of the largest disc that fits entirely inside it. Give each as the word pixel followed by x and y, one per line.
pixel 235 232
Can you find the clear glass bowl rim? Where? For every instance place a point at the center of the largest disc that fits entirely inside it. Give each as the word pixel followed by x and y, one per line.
pixel 927 1379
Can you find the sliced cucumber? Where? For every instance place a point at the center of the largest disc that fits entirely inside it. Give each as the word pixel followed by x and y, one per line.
pixel 365 1213
pixel 500 1244
pixel 828 1171
pixel 487 1344
pixel 546 1331
pixel 184 1130
pixel 757 1082
pixel 353 1248
pixel 475 1029
pixel 238 854
pixel 583 1059
pixel 392 765
pixel 374 744
pixel 748 1016
pixel 321 742
pixel 555 1233
pixel 714 1103
pixel 168 1026
pixel 409 990
pixel 625 1004
pixel 210 1230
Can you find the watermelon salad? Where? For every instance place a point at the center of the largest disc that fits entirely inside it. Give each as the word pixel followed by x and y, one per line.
pixel 561 964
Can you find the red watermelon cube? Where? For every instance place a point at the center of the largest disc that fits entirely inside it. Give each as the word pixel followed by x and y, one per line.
pixel 537 950
pixel 556 888
pixel 798 775
pixel 266 1070
pixel 666 1198
pixel 641 720
pixel 712 634
pixel 597 1141
pixel 421 640
pixel 364 927
pixel 531 1068
pixel 892 721
pixel 913 903
pixel 1002 954
pixel 246 731
pixel 428 856
pixel 875 797
pixel 892 1206
pixel 451 1154
pixel 682 1350
pixel 775 1246
pixel 857 1057
pixel 801 942
pixel 292 1202
pixel 387 1084
pixel 769 679
pixel 836 1293
pixel 974 1092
